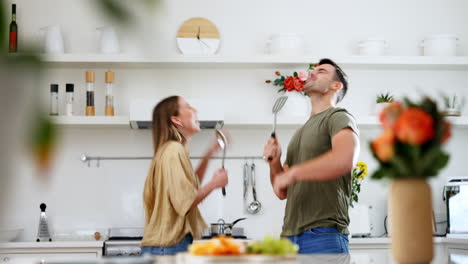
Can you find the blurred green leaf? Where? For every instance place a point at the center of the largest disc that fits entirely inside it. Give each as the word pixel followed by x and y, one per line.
pixel 381 173
pixel 116 11
pixel 43 131
pixel 30 60
pixel 4 29
pixel 152 3
pixel 400 166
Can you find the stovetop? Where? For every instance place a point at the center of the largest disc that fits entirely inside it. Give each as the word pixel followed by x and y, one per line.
pixel 124 238
pixel 212 236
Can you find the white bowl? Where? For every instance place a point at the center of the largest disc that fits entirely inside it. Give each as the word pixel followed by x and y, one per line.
pixel 440 45
pixel 9 235
pixel 372 47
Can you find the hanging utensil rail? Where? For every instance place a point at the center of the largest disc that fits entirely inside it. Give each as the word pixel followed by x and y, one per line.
pixel 86 158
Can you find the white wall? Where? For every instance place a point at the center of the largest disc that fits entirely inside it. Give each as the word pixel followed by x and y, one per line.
pixel 110 196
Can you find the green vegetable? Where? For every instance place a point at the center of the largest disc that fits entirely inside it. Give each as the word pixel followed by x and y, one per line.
pixel 272 246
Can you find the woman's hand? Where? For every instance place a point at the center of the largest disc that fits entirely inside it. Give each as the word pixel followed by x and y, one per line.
pixel 214 148
pixel 220 178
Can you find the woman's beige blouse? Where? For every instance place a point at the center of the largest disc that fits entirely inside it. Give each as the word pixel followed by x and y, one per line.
pixel 170 190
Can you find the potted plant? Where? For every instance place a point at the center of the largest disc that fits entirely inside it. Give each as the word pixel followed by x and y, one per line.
pixel 409 151
pixel 453 105
pixel 293 86
pixel 382 100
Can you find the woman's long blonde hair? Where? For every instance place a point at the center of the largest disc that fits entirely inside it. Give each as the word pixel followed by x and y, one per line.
pixel 163 131
pixel 163 128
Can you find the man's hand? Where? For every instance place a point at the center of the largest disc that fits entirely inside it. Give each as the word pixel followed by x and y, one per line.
pixel 272 149
pixel 283 181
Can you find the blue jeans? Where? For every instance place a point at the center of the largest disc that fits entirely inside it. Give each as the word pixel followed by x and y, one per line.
pixel 172 250
pixel 321 240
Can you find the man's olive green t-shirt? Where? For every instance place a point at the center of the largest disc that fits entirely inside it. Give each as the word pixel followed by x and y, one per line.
pixel 318 204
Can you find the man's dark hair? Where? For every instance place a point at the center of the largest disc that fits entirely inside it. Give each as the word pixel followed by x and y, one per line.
pixel 340 76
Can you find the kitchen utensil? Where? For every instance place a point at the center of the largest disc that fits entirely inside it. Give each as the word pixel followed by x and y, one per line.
pixel 223 228
pixel 43 229
pixel 255 206
pixel 246 179
pixel 222 141
pixel 53 40
pixel 109 43
pixel 9 235
pixel 279 103
pixel 440 45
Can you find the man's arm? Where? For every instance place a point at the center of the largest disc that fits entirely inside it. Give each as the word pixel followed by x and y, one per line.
pixel 329 166
pixel 334 163
pixel 275 170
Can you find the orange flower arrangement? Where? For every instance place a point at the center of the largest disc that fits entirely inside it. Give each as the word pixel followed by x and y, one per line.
pixel 412 139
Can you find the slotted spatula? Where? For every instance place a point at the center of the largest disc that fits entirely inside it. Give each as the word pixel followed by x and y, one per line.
pixel 279 103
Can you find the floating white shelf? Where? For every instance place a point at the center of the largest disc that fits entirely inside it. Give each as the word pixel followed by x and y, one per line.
pixel 97 121
pixel 459 121
pixel 123 121
pixel 266 61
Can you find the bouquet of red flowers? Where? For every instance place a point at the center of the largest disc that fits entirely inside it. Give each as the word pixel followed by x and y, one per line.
pixel 293 82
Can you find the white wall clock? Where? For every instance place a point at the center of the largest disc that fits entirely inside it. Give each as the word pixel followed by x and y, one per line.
pixel 198 37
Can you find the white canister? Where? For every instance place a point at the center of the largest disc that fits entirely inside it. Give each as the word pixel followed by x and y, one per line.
pixel 53 40
pixel 109 43
pixel 440 45
pixel 290 44
pixel 372 47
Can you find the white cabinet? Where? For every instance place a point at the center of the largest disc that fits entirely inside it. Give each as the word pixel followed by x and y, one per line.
pixel 44 252
pixel 371 256
pixel 369 250
pixel 378 250
pixel 457 255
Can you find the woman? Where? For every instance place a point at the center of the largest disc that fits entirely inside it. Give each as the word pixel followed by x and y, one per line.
pixel 172 189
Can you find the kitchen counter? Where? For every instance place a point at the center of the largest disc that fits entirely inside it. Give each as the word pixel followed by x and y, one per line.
pixel 94 244
pixel 362 258
pixel 368 257
pixel 387 240
pixel 362 250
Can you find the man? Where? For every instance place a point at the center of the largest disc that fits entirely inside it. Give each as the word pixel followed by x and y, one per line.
pixel 316 176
